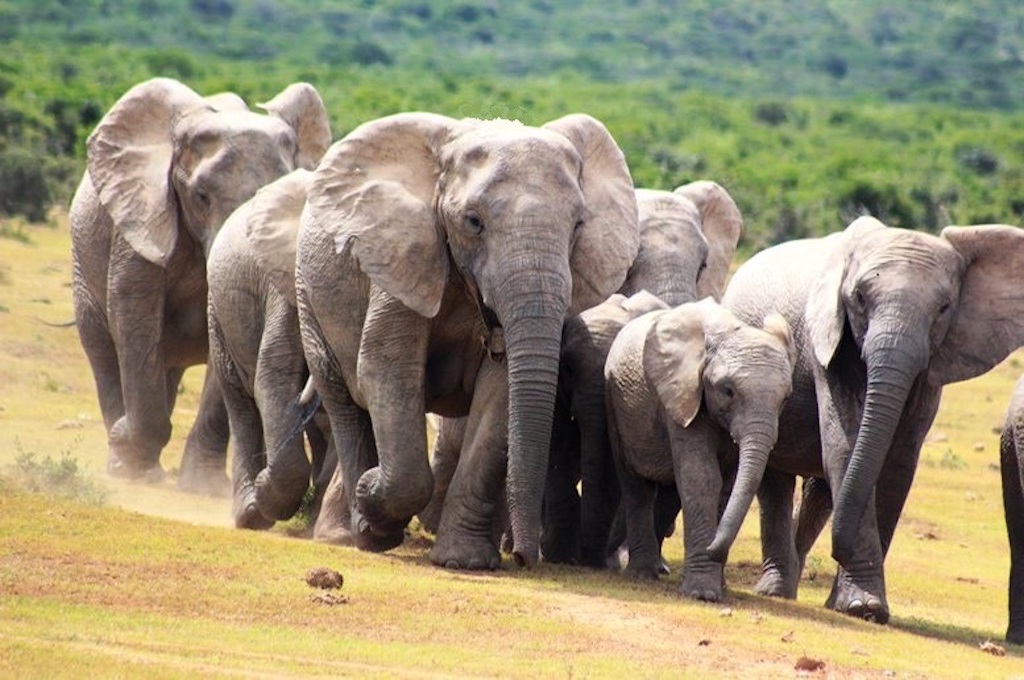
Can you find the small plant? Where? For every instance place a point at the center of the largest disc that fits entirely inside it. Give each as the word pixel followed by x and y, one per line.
pixel 61 477
pixel 949 461
pixel 301 523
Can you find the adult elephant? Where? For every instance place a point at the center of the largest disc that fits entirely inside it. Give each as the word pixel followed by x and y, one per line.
pixel 694 398
pixel 1011 463
pixel 437 261
pixel 256 355
pixel 883 318
pixel 165 168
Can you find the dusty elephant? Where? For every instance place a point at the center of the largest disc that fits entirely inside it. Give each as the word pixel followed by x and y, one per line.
pixel 165 169
pixel 883 318
pixel 1011 464
pixel 256 354
pixel 437 261
pixel 693 397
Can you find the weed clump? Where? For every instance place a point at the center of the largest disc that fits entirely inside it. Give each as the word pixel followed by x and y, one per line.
pixel 62 477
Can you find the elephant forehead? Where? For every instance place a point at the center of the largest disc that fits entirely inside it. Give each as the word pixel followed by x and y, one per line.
pixel 225 127
pixel 903 251
pixel 512 147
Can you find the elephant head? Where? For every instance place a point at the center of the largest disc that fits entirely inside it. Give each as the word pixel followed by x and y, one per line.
pixel 700 355
pixel 687 240
pixel 916 306
pixel 166 162
pixel 536 222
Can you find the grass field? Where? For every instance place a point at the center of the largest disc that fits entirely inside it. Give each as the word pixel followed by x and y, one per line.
pixel 154 583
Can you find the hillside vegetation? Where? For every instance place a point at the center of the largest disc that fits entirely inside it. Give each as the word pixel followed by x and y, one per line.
pixel 808 112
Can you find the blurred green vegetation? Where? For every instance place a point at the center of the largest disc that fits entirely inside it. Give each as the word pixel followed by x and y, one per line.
pixel 808 112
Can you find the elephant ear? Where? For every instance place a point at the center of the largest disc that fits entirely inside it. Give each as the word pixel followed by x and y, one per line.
pixel 825 312
pixel 608 241
pixel 301 107
pixel 225 101
pixel 989 322
pixel 375 191
pixel 722 224
pixel 272 228
pixel 640 303
pixel 129 164
pixel 674 359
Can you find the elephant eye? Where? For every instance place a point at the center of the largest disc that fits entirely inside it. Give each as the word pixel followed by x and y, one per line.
pixel 859 297
pixel 944 308
pixel 474 222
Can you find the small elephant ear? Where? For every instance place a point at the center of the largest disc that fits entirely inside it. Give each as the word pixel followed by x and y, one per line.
pixel 272 228
pixel 674 359
pixel 641 303
pixel 722 225
pixel 225 101
pixel 825 312
pixel 375 191
pixel 301 107
pixel 129 164
pixel 609 239
pixel 776 324
pixel 989 322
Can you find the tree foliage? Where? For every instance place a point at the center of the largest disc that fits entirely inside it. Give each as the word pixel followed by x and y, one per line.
pixel 808 112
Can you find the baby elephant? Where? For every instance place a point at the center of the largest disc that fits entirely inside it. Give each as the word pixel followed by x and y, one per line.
pixel 693 397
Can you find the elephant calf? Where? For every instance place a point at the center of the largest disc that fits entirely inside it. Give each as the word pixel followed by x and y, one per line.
pixel 692 393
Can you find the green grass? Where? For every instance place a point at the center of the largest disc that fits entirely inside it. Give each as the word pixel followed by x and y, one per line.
pixel 156 584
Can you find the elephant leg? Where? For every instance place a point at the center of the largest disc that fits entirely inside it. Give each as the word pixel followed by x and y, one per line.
pixel 102 354
pixel 136 439
pixel 1011 453
pixel 666 509
pixel 280 377
pixel 391 374
pixel 859 588
pixel 698 480
pixel 636 509
pixel 468 537
pixel 324 459
pixel 812 516
pixel 451 432
pixel 560 538
pixel 600 491
pixel 780 571
pixel 202 467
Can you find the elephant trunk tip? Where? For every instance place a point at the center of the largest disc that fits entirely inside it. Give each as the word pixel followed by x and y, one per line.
pixel 718 551
pixel 843 542
pixel 525 558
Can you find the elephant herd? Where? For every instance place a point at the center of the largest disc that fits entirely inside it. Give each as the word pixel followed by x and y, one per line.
pixel 589 369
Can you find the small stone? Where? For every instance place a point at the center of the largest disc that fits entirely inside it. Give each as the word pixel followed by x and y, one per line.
pixel 328 598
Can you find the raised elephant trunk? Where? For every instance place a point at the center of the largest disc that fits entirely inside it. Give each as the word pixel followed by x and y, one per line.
pixel 753 458
pixel 893 364
pixel 533 332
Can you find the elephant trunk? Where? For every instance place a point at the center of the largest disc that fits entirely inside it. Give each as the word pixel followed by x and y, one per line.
pixel 533 333
pixel 755 446
pixel 893 363
pixel 599 483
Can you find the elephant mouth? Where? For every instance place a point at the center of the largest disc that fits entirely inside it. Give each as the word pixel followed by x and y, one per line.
pixel 493 338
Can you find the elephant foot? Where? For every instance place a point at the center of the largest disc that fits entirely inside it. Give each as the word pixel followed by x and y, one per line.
pixel 203 479
pixel 851 599
pixel 333 532
pixel 147 474
pixel 706 585
pixel 773 584
pixel 278 501
pixel 1015 633
pixel 454 550
pixel 248 516
pixel 559 547
pixel 430 516
pixel 376 537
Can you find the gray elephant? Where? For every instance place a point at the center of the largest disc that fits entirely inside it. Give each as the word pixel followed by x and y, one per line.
pixel 437 262
pixel 883 319
pixel 693 396
pixel 1011 463
pixel 165 169
pixel 256 354
pixel 687 241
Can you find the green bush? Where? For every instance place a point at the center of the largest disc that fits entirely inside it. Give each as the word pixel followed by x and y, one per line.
pixel 24 187
pixel 56 477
